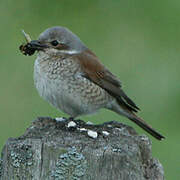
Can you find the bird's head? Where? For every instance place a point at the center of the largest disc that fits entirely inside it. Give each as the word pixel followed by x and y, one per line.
pixel 57 41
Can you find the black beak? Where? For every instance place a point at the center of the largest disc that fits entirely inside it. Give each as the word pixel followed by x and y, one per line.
pixel 37 45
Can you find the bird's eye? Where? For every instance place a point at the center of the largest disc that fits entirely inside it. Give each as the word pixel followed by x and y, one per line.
pixel 55 43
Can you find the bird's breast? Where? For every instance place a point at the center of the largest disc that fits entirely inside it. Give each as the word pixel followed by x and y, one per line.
pixel 61 84
pixel 54 75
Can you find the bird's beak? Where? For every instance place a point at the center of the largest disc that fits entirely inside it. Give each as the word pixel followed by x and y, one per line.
pixel 37 45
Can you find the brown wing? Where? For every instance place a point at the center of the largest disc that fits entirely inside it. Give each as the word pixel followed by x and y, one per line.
pixel 95 71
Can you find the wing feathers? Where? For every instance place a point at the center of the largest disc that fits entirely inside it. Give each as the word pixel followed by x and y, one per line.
pixel 95 71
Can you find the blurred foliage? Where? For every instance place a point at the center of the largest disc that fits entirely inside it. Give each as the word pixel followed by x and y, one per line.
pixel 137 40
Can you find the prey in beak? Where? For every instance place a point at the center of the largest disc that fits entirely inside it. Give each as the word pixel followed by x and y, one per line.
pixel 31 46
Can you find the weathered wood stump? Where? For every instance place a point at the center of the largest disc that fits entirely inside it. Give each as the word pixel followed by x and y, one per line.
pixel 74 150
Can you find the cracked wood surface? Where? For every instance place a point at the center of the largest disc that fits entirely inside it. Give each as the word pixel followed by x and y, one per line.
pixel 54 150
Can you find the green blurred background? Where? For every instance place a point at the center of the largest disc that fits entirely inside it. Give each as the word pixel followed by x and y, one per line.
pixel 139 41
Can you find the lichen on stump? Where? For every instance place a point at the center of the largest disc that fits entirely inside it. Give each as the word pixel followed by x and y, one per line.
pixel 74 150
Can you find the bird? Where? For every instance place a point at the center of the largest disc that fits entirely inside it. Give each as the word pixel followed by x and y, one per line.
pixel 71 77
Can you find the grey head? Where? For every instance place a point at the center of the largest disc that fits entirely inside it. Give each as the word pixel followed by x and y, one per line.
pixel 59 40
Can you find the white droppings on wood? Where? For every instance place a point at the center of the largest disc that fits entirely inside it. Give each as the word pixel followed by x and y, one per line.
pixel 60 119
pixel 92 134
pixel 89 123
pixel 71 124
pixel 105 133
pixel 82 129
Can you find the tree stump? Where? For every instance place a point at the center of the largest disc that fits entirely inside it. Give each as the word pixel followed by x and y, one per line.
pixel 74 150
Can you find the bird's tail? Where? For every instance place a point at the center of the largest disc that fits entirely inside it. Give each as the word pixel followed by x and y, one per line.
pixel 140 122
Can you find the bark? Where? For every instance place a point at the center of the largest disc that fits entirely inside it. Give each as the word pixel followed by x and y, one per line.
pixel 68 150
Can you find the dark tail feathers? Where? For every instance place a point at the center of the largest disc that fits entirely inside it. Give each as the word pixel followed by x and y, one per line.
pixel 140 122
